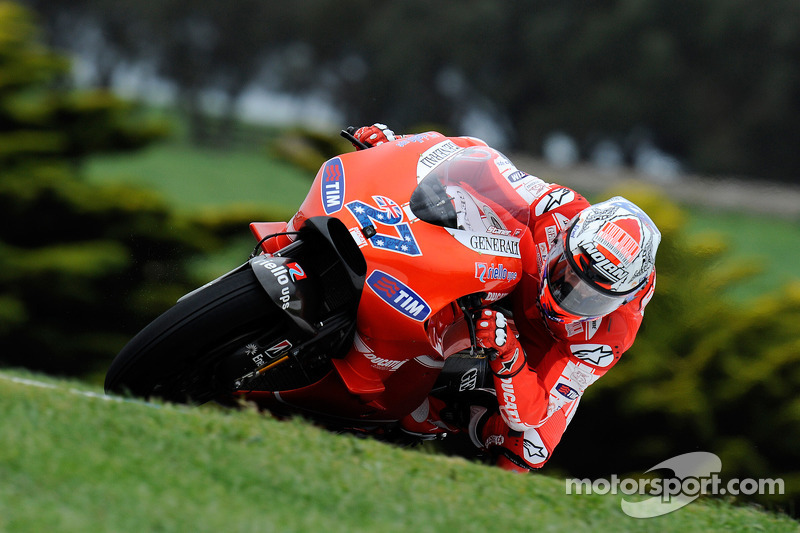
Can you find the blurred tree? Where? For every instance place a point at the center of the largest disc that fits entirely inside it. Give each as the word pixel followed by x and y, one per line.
pixel 715 81
pixel 210 51
pixel 81 267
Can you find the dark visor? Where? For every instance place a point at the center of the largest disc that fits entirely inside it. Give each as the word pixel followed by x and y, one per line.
pixel 571 292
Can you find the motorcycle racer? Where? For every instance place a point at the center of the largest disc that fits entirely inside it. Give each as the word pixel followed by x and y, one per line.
pixel 588 273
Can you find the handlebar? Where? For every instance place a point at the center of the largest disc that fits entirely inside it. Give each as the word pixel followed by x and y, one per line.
pixel 348 134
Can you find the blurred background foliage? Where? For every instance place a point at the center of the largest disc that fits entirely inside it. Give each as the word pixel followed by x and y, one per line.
pixel 82 266
pixel 713 82
pixel 88 257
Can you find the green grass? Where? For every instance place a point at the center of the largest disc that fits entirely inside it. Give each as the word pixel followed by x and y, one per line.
pixel 71 462
pixel 194 178
pixel 770 245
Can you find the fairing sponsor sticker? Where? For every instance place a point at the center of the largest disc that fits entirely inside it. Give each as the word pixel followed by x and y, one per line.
pixel 398 295
pixel 285 274
pixel 485 243
pixel 376 362
pixel 332 186
pixel 392 232
pixel 434 156
pixel 491 272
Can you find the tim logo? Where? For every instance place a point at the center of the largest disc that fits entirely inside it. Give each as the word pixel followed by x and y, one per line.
pixel 332 186
pixel 566 391
pixel 398 295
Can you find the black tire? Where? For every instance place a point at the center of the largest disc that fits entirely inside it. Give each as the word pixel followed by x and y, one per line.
pixel 175 356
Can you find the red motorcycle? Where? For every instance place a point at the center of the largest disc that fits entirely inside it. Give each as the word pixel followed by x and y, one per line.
pixel 362 305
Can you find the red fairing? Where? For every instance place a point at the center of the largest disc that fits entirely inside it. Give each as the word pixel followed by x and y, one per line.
pixel 262 230
pixel 418 264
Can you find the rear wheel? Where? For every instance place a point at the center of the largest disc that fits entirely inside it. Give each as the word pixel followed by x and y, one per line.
pixel 193 351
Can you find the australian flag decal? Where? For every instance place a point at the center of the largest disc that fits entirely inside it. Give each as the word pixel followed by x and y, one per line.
pixel 395 293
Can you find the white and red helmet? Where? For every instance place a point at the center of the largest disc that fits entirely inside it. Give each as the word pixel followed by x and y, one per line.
pixel 599 262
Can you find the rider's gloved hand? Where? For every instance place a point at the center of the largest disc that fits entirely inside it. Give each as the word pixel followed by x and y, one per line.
pixel 374 135
pixel 507 357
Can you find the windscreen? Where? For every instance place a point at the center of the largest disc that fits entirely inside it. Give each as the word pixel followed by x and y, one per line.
pixel 469 192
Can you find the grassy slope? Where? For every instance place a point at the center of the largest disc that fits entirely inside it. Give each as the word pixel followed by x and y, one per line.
pixel 197 178
pixel 75 463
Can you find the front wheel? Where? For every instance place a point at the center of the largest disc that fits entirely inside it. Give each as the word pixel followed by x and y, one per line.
pixel 180 355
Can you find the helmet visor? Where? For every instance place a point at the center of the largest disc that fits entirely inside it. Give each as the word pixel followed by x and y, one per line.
pixel 571 292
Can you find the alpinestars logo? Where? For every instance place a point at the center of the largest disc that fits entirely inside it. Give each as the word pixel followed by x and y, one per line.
pixel 595 354
pixel 508 365
pixel 554 199
pixel 534 451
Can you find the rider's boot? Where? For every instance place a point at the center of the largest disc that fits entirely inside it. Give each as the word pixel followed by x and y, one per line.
pixel 505 444
pixel 426 421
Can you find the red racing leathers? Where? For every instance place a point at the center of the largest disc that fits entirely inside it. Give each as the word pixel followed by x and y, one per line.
pixel 538 402
pixel 541 390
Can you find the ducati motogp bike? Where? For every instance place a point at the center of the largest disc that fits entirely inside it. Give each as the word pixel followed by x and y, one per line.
pixel 362 304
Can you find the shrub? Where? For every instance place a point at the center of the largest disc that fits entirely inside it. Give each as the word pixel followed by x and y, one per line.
pixel 74 257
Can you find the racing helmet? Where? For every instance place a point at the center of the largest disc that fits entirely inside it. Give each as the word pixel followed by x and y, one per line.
pixel 599 262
